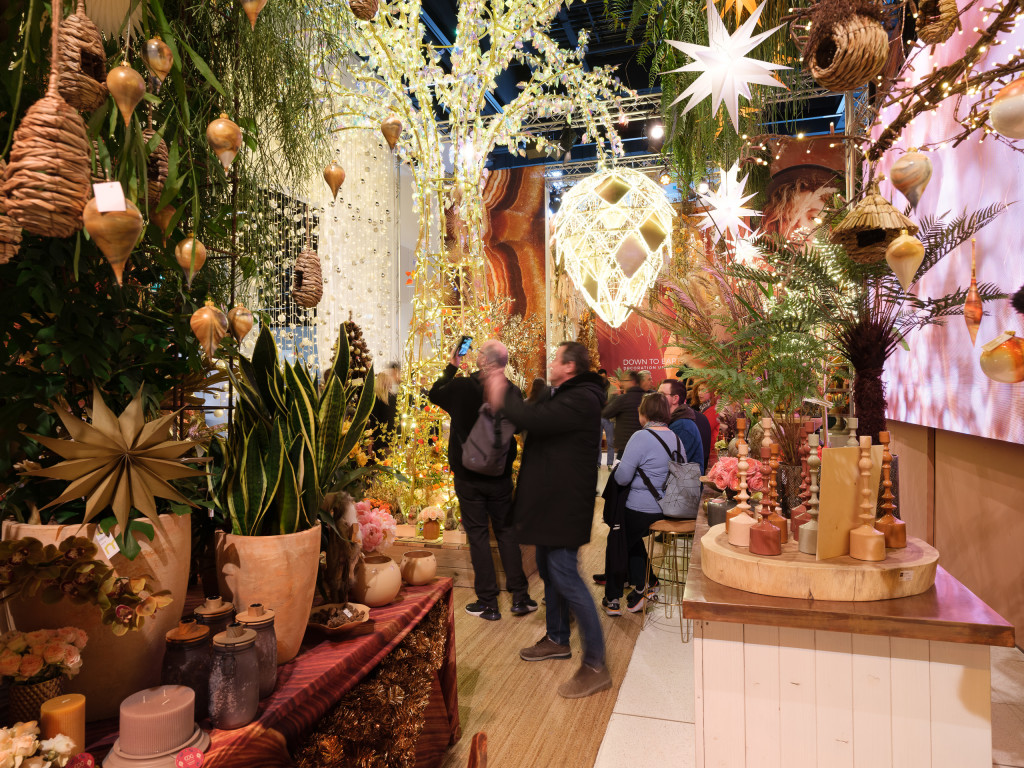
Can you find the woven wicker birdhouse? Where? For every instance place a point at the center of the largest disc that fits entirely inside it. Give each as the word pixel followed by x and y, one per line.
pixel 307 279
pixel 10 233
pixel 869 228
pixel 853 52
pixel 83 76
pixel 936 21
pixel 156 169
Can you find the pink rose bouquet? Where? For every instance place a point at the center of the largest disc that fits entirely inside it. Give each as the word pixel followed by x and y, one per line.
pixel 725 474
pixel 376 526
pixel 41 655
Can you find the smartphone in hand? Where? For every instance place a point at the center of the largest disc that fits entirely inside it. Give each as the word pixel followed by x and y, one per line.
pixel 464 346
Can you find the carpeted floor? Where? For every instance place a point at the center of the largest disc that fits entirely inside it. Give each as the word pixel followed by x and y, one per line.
pixel 515 702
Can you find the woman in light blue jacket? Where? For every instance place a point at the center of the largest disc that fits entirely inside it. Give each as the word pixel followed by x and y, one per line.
pixel 646 450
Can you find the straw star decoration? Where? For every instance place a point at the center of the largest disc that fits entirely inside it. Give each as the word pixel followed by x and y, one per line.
pixel 725 71
pixel 725 211
pixel 121 462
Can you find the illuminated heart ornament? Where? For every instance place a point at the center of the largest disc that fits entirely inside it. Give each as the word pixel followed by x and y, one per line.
pixel 1007 111
pixel 910 175
pixel 1002 359
pixel 334 175
pixel 904 255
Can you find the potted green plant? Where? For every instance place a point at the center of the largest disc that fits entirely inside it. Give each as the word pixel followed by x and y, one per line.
pixel 287 443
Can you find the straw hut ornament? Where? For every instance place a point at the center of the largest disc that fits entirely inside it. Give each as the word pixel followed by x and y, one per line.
pixel 307 279
pixel 156 168
pixel 10 233
pixel 83 76
pixel 47 181
pixel 868 229
pixel 848 46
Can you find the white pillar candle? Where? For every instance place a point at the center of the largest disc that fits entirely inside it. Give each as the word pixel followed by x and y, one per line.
pixel 157 720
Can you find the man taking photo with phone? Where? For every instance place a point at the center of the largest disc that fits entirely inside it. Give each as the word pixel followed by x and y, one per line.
pixel 485 500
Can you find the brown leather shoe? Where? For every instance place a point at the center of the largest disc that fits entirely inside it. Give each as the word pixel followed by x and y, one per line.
pixel 585 682
pixel 544 649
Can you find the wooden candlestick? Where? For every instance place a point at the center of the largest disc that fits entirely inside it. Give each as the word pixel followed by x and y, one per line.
pixel 865 542
pixel 738 519
pixel 798 515
pixel 741 472
pixel 851 436
pixel 775 509
pixel 765 538
pixel 809 531
pixel 894 529
pixel 765 508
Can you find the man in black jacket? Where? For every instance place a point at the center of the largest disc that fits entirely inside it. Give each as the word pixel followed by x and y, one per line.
pixel 484 500
pixel 625 411
pixel 554 504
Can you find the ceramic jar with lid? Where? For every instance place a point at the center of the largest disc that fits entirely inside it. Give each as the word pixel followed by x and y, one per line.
pixel 234 678
pixel 216 614
pixel 261 621
pixel 187 661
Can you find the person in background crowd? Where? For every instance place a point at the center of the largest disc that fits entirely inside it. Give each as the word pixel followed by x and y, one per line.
pixel 683 422
pixel 382 415
pixel 704 401
pixel 646 381
pixel 554 505
pixel 485 501
pixel 624 410
pixel 647 452
pixel 703 425
pixel 539 390
pixel 607 428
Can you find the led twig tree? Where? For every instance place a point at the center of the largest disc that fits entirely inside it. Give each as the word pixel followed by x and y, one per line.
pixel 393 71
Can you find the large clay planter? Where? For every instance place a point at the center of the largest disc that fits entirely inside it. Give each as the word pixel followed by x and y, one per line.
pixel 277 571
pixel 378 581
pixel 113 667
pixel 419 566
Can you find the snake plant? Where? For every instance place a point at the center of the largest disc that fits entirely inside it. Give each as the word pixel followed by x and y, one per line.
pixel 288 439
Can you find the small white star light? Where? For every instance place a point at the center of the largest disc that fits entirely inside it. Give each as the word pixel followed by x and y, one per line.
pixel 613 233
pixel 725 211
pixel 726 73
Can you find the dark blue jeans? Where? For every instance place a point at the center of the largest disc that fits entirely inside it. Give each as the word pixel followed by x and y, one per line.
pixel 638 525
pixel 609 435
pixel 565 591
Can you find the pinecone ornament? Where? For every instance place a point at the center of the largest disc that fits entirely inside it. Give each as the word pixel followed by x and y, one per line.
pixel 359 360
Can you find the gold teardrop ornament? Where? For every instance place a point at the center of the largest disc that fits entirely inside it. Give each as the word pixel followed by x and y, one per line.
pixel 115 233
pixel 190 255
pixel 225 139
pixel 904 255
pixel 127 87
pixel 910 175
pixel 1002 359
pixel 252 9
pixel 209 325
pixel 392 130
pixel 239 322
pixel 1007 111
pixel 334 175
pixel 159 60
pixel 162 219
pixel 973 311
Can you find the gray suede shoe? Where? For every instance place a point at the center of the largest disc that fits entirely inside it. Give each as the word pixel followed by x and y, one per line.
pixel 585 682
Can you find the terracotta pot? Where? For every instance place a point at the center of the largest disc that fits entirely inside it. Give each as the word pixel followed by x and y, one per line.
pixel 113 667
pixel 277 571
pixel 419 566
pixel 378 581
pixel 431 530
pixel 27 698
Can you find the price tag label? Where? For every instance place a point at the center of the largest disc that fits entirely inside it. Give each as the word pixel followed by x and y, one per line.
pixel 109 196
pixel 190 757
pixel 906 575
pixel 82 760
pixel 107 544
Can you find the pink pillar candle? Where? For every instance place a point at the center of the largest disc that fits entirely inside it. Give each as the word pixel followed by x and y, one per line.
pixel 157 720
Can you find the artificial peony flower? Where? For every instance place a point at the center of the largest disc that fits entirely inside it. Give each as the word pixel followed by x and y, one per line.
pixel 17 642
pixel 31 665
pixel 72 658
pixel 24 745
pixel 53 653
pixel 59 744
pixel 373 535
pixel 38 638
pixel 35 762
pixel 10 662
pixel 6 758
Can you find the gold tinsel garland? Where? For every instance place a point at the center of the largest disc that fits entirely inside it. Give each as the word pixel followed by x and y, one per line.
pixel 377 723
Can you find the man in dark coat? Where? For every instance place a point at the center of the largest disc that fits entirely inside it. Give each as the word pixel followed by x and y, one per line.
pixel 485 501
pixel 554 504
pixel 625 411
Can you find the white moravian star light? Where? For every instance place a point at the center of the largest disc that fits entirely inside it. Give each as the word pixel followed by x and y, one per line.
pixel 725 211
pixel 726 72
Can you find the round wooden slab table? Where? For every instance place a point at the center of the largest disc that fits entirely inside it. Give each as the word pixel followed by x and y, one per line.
pixel 904 572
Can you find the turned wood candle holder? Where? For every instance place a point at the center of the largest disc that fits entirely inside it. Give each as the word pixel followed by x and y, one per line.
pixel 738 520
pixel 894 529
pixel 808 540
pixel 741 473
pixel 775 506
pixel 865 542
pixel 766 538
pixel 798 515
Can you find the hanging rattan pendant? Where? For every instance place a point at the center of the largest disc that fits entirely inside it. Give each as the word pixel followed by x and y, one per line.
pixel 156 169
pixel 868 229
pixel 936 21
pixel 47 182
pixel 307 279
pixel 10 233
pixel 83 74
pixel 850 54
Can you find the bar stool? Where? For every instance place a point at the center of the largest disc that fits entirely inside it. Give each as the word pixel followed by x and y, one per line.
pixel 672 565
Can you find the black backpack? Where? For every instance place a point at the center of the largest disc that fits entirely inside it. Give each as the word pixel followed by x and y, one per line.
pixel 485 449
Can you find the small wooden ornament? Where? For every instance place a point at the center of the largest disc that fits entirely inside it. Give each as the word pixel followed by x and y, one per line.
pixel 904 255
pixel 765 538
pixel 83 77
pixel 334 175
pixel 973 311
pixel 159 60
pixel 364 10
pixel 739 524
pixel 775 517
pixel 808 541
pixel 209 325
pixel 741 430
pixel 225 139
pixel 156 168
pixel 1002 359
pixel 1007 111
pixel 239 322
pixel 10 232
pixel 865 542
pixel 798 515
pixel 307 279
pixel 115 232
pixel 851 432
pixel 190 255
pixel 162 219
pixel 392 130
pixel 252 10
pixel 894 529
pixel 910 175
pixel 127 87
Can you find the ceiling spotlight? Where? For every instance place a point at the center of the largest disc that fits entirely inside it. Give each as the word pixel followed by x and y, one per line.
pixel 703 188
pixel 665 179
pixel 657 131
